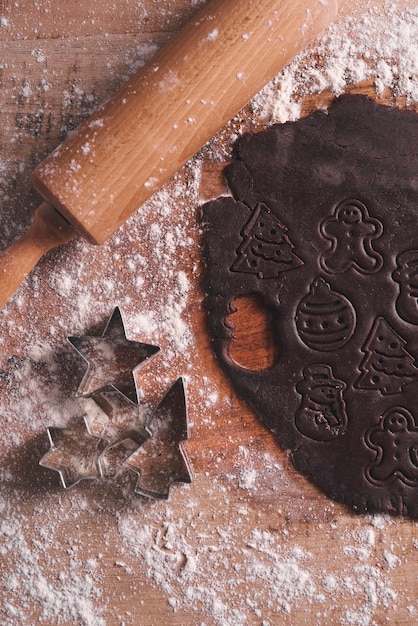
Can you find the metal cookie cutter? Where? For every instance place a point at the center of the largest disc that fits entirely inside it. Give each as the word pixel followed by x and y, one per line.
pixel 74 453
pixel 161 460
pixel 154 451
pixel 125 430
pixel 112 359
pixel 148 444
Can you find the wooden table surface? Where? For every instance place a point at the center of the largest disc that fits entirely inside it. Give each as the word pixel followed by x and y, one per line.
pixel 249 541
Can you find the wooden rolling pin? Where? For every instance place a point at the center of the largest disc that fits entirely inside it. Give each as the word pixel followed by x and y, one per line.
pixel 134 143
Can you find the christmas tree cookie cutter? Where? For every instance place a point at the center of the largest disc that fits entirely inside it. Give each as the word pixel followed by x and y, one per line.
pixel 78 453
pixel 161 460
pixel 154 452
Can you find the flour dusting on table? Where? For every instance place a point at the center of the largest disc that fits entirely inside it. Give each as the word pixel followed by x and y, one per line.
pixel 379 45
pixel 217 552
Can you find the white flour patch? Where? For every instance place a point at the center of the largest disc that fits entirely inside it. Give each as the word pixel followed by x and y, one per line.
pixel 217 550
pixel 379 44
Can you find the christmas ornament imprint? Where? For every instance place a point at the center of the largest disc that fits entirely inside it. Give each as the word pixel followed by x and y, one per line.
pixel 112 359
pixel 161 460
pixel 325 319
pixel 74 453
pixel 343 182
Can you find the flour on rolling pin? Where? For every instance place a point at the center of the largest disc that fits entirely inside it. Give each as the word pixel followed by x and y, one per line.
pixel 161 117
pixel 294 576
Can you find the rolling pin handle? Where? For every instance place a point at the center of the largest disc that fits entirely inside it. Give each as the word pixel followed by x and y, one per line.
pixel 48 230
pixel 114 161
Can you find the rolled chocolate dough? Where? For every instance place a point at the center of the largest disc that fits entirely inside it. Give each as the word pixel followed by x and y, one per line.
pixel 322 226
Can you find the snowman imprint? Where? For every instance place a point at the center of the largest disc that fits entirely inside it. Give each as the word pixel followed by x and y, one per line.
pixel 351 231
pixel 321 414
pixel 395 440
pixel 406 275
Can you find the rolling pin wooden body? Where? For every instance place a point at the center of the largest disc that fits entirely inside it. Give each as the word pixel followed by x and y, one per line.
pixel 135 142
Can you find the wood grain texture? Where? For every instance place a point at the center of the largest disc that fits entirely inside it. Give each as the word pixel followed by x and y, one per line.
pixel 348 562
pixel 48 230
pixel 164 114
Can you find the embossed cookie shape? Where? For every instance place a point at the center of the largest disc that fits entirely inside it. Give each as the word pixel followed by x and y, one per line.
pixel 395 441
pixel 406 275
pixel 351 232
pixel 325 319
pixel 343 183
pixel 387 366
pixel 266 249
pixel 322 414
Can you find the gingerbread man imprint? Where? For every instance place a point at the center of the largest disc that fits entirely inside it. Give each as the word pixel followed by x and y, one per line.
pixel 395 440
pixel 351 232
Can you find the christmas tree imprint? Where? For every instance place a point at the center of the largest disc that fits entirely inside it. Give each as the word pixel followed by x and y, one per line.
pixel 351 232
pixel 387 366
pixel 395 441
pixel 266 249
pixel 406 275
pixel 325 319
pixel 322 413
pixel 161 460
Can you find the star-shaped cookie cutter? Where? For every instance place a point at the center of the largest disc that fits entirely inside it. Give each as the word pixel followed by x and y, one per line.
pixel 161 460
pixel 151 445
pixel 112 359
pixel 74 453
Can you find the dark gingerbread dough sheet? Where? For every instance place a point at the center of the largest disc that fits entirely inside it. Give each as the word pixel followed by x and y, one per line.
pixel 322 226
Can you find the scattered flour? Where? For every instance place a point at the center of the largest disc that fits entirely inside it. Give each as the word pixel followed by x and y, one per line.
pixel 217 551
pixel 380 45
pixel 73 596
pixel 238 575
